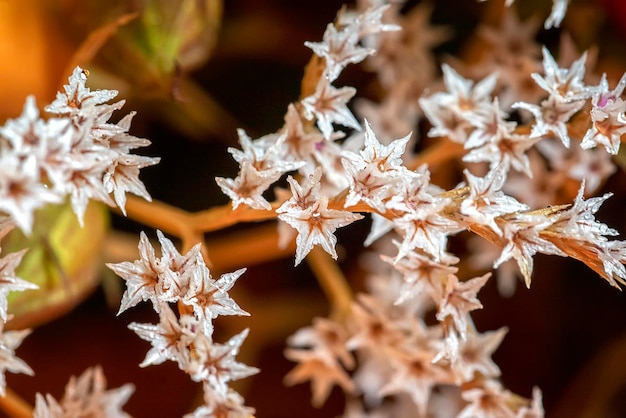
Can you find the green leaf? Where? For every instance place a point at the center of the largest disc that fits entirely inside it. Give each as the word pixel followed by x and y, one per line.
pixel 63 259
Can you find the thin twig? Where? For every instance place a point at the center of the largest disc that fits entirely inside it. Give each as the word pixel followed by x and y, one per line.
pixel 332 281
pixel 14 406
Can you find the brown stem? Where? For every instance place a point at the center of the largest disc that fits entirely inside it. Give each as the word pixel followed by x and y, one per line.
pixel 14 406
pixel 332 281
pixel 248 247
pixel 155 214
pixel 440 152
pixel 222 217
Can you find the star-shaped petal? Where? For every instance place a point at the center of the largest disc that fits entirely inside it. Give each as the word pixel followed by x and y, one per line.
pixel 328 106
pixel 316 226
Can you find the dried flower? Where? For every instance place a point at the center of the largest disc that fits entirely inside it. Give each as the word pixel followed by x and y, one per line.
pixel 86 396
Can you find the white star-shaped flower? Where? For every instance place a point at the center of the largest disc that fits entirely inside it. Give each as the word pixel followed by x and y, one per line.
pixel 9 341
pixel 316 226
pixel 86 396
pixel 339 48
pixel 249 186
pixel 9 282
pixel 328 106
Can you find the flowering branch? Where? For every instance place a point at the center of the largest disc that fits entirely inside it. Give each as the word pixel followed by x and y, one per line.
pixel 376 344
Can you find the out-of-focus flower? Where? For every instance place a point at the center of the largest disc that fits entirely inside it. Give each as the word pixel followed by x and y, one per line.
pixel 85 396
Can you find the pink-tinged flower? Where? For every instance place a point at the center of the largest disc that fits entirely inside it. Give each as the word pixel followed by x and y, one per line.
pixel 164 279
pixel 384 158
pixel 209 298
pixel 577 233
pixel 121 141
pixel 329 105
pixel 21 189
pixel 303 195
pixel 327 338
pixel 9 282
pixel 413 191
pixel 79 153
pixel 323 375
pixel 489 400
pixel 474 355
pixel 401 52
pixel 579 222
pixel 512 40
pixel 249 186
pixel 369 21
pixel 414 374
pixel 219 404
pixel 421 274
pixel 508 150
pixel 86 183
pixel 296 142
pixel 314 222
pixel 445 121
pixel 535 409
pixel 9 341
pixel 513 52
pixel 489 126
pixel 607 117
pixel 86 396
pixel 368 186
pixel 459 300
pixel 372 324
pixel 486 201
pixel 522 234
pixel 77 98
pixel 264 153
pixel 24 134
pixel 551 117
pixel 612 256
pixel 425 228
pixel 340 48
pixel 466 98
pixel 322 357
pixel 122 176
pixel 375 171
pixel 168 339
pixel 565 84
pixel 215 363
pixel 593 166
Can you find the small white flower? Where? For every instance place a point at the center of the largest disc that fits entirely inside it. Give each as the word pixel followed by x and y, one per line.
pixel 316 225
pixel 249 186
pixel 86 396
pixel 329 105
pixel 340 48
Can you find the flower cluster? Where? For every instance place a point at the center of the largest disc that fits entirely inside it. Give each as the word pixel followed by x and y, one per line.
pixel 187 338
pixel 397 354
pixel 296 146
pixel 10 282
pixel 77 153
pixel 400 371
pixel 85 396
pixel 407 345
